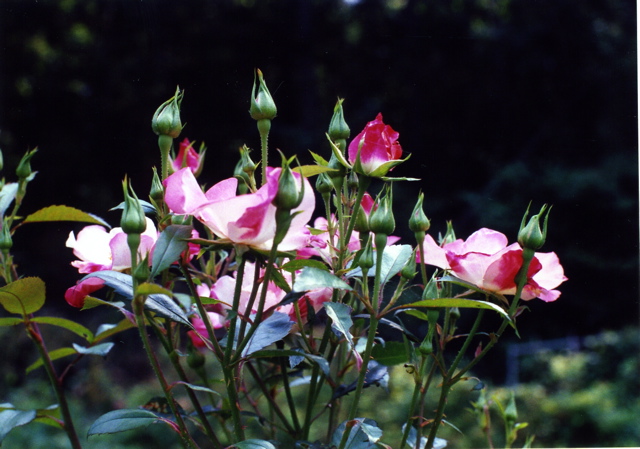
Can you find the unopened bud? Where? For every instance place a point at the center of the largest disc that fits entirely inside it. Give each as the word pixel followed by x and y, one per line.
pixel 338 129
pixel 381 220
pixel 262 105
pixel 166 120
pixel 531 236
pixel 23 171
pixel 133 220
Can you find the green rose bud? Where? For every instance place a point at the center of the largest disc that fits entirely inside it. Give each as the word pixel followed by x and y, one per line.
pixel 381 220
pixel 166 120
pixel 338 129
pixel 6 241
pixel 289 196
pixel 419 223
pixel 262 105
pixel 133 220
pixel 530 235
pixel 157 190
pixel 23 171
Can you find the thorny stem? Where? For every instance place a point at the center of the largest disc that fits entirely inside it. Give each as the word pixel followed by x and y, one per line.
pixel 36 337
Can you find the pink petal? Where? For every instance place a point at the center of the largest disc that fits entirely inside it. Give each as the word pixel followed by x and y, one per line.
pixel 485 241
pixel 182 193
pixel 433 254
pixel 75 295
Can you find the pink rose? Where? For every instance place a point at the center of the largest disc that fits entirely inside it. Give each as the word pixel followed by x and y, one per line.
pixel 76 295
pixel 246 219
pixel 189 158
pixel 375 150
pixel 100 250
pixel 486 261
pixel 215 315
pixel 225 288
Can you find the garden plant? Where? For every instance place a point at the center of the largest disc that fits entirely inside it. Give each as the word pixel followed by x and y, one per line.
pixel 268 303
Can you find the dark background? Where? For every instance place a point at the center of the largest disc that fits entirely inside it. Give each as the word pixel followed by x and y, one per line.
pixel 500 102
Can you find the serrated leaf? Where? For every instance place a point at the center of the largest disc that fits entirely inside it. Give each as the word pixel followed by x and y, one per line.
pixel 10 419
pixel 311 170
pixel 392 353
pixel 299 264
pixel 457 302
pixel 161 304
pixel 312 278
pixel 64 213
pixel 274 328
pixel 121 421
pixel 24 296
pixel 254 444
pixel 319 159
pixel 170 244
pixel 102 349
pixel 53 355
pixel 72 326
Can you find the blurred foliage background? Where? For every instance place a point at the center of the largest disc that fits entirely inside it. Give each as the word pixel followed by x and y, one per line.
pixel 500 102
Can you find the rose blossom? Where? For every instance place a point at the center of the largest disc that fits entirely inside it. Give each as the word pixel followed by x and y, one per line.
pixel 486 261
pixel 375 150
pixel 246 219
pixel 188 157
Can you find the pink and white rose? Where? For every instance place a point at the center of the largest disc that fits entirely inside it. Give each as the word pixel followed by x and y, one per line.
pixel 245 219
pixel 486 260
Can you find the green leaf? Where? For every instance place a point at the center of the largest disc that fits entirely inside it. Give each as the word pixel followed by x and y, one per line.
pixel 107 330
pixel 53 355
pixel 24 296
pixel 320 361
pixel 457 302
pixel 274 328
pixel 121 421
pixel 392 353
pixel 338 153
pixel 340 315
pixel 10 419
pixel 72 326
pixel 319 159
pixel 394 258
pixel 311 278
pixel 254 444
pixel 161 304
pixel 171 243
pixel 299 264
pixel 195 387
pixel 102 349
pixel 11 321
pixel 363 435
pixel 63 213
pixel 311 170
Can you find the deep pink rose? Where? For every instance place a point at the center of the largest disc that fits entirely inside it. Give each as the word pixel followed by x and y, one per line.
pixel 375 150
pixel 76 295
pixel 246 219
pixel 188 157
pixel 486 261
